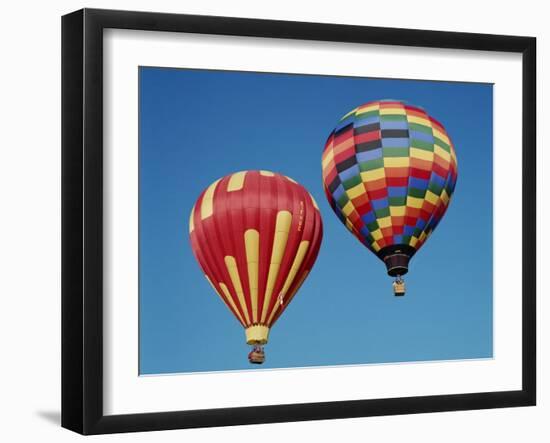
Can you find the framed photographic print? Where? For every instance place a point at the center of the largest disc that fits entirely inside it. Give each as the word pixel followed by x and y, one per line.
pixel 269 221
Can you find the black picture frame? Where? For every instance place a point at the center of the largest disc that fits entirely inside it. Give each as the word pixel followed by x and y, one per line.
pixel 82 220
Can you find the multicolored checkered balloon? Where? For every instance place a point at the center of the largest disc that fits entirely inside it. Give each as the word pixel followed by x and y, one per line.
pixel 389 171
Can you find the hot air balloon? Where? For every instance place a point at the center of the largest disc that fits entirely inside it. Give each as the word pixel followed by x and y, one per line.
pixel 389 171
pixel 256 235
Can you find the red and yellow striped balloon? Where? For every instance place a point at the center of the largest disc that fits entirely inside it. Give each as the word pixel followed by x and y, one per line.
pixel 256 235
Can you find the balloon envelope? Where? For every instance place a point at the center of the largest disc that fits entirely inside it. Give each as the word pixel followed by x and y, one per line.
pixel 256 235
pixel 389 171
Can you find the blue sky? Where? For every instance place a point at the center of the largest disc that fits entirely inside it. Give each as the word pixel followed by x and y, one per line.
pixel 197 126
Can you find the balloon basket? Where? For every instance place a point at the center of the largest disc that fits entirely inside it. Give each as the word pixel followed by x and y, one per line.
pixel 257 355
pixel 399 287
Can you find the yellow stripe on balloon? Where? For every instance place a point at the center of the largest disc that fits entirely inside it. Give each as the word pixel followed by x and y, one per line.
pixel 252 246
pixel 356 191
pixel 367 108
pixel 422 154
pixel 207 205
pixel 231 266
pixel 223 297
pixel 282 228
pixel 300 255
pixel 441 135
pixel 375 174
pixel 348 208
pixel 328 157
pixel 236 182
pixel 214 288
pixel 376 234
pixel 421 121
pixel 414 202
pixel 431 197
pixel 393 111
pixel 396 162
pixel 229 300
pixel 384 222
pixel 267 173
pixel 191 220
pixel 397 211
pixel 445 197
pixel 348 114
pixel 442 153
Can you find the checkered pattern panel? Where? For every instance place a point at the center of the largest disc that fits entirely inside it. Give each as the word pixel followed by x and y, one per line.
pixel 389 171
